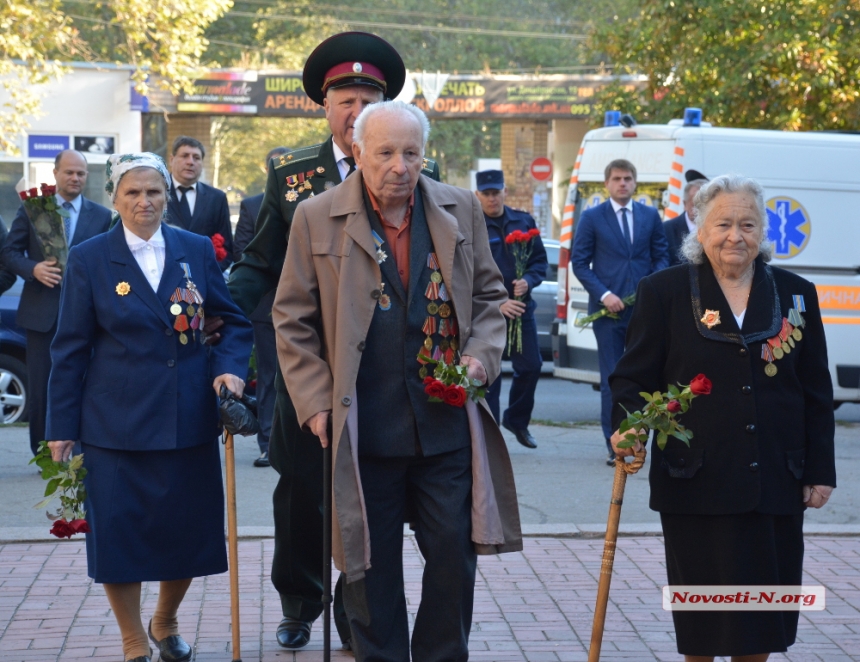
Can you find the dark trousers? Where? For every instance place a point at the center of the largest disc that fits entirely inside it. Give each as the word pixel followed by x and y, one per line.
pixel 267 365
pixel 610 335
pixel 527 365
pixel 38 371
pixel 439 490
pixel 298 559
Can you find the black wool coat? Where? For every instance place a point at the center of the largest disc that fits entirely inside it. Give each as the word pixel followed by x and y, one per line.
pixel 757 439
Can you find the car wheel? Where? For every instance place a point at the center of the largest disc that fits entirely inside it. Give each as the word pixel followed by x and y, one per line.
pixel 13 390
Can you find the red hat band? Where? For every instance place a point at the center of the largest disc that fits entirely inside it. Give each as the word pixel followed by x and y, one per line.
pixel 353 70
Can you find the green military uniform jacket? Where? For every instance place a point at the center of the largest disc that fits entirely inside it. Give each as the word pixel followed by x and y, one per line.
pixel 293 177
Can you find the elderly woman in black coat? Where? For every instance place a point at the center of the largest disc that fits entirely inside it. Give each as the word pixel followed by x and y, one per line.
pixel 731 504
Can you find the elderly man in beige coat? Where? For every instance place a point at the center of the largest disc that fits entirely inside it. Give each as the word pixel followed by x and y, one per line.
pixel 386 264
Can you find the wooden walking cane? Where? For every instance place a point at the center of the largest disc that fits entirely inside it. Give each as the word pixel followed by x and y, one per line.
pixel 622 468
pixel 232 542
pixel 326 574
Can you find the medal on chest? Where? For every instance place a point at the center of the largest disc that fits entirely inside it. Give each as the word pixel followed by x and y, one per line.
pixel 776 348
pixel 187 308
pixel 440 321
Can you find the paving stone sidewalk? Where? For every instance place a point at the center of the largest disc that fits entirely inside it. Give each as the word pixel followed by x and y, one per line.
pixel 535 606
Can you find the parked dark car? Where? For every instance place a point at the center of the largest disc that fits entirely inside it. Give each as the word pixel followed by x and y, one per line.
pixel 13 358
pixel 545 295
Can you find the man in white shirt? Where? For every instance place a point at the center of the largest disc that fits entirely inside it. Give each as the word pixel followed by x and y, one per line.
pixel 615 245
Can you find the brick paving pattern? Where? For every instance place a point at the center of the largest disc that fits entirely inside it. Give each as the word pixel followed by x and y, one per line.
pixel 534 606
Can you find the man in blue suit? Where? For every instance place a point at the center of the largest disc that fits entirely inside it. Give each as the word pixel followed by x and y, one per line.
pixel 615 244
pixel 193 205
pixel 40 299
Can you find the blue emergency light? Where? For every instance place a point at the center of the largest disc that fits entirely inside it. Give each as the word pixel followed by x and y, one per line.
pixel 612 118
pixel 692 117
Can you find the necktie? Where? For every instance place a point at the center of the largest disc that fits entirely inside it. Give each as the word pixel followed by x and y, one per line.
pixel 67 223
pixel 350 161
pixel 184 207
pixel 626 225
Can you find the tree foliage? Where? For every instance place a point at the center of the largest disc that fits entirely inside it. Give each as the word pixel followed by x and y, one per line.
pixel 783 64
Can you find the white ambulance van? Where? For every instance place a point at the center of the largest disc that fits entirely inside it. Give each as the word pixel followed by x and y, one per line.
pixel 812 194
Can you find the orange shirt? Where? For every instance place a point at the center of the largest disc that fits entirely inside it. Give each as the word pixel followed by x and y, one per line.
pixel 398 239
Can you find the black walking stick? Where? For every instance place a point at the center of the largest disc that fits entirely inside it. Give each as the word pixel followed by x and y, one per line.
pixel 326 574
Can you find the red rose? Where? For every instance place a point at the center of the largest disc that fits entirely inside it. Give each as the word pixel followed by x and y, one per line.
pixel 455 395
pixel 700 385
pixel 435 389
pixel 429 380
pixel 50 190
pixel 674 406
pixel 61 529
pixel 23 195
pixel 34 193
pixel 79 526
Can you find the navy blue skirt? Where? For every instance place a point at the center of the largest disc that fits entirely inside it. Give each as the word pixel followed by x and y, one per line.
pixel 154 515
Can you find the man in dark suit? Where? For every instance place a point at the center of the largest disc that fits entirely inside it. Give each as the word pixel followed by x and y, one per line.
pixel 615 245
pixel 679 227
pixel 40 300
pixel 7 276
pixel 193 205
pixel 501 222
pixel 264 333
pixel 344 89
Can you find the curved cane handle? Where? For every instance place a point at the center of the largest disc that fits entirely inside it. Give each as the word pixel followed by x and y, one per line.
pixel 634 465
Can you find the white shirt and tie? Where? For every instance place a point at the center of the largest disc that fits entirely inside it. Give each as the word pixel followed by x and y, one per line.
pixel 624 214
pixel 340 158
pixel 149 255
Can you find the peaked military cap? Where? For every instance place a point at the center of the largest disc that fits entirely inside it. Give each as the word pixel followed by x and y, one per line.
pixel 490 179
pixel 692 175
pixel 353 58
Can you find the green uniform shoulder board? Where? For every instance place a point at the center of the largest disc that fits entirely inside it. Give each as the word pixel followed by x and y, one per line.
pixel 427 166
pixel 297 156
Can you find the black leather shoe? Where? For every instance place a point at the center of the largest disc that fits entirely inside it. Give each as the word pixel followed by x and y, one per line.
pixel 173 648
pixel 523 436
pixel 263 460
pixel 294 634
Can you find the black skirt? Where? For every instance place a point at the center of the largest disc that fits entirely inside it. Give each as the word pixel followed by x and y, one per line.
pixel 154 515
pixel 747 549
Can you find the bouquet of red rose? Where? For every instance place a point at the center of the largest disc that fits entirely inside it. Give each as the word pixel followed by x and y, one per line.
pixel 218 243
pixel 46 217
pixel 450 384
pixel 521 245
pixel 659 414
pixel 66 481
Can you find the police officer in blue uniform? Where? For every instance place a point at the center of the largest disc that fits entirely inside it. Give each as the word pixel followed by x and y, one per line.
pixel 501 222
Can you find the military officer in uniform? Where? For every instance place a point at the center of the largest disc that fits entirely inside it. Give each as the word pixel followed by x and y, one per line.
pixel 501 222
pixel 344 88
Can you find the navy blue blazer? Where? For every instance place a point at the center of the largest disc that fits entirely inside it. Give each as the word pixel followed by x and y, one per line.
pixel 603 260
pixel 676 231
pixel 39 304
pixel 211 216
pixel 120 377
pixel 497 230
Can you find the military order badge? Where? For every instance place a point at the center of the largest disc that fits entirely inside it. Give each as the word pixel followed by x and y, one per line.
pixel 123 288
pixel 789 335
pixel 711 318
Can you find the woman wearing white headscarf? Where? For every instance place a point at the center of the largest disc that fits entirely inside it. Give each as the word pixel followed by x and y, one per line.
pixel 134 384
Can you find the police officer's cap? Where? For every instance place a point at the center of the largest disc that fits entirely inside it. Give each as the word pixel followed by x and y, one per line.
pixel 692 175
pixel 486 179
pixel 372 61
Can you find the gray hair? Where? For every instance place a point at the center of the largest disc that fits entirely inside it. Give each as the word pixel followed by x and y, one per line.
pixel 395 107
pixel 692 248
pixel 696 183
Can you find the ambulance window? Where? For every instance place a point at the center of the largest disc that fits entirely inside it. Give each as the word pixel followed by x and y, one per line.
pixel 591 194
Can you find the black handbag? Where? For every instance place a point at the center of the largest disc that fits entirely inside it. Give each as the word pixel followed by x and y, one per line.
pixel 238 415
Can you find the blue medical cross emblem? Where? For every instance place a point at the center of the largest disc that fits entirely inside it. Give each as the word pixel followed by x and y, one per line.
pixel 790 226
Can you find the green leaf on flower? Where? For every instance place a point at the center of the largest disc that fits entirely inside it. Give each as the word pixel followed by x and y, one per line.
pixel 51 487
pixel 661 440
pixel 646 396
pixel 673 391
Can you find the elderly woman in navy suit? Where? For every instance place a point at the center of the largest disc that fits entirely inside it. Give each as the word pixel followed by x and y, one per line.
pixel 134 384
pixel 731 504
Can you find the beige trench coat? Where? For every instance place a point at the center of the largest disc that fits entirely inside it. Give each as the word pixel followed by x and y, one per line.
pixel 327 295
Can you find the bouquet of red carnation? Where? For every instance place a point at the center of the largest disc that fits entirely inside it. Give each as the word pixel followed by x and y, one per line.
pixel 46 217
pixel 450 384
pixel 217 240
pixel 66 480
pixel 659 414
pixel 521 244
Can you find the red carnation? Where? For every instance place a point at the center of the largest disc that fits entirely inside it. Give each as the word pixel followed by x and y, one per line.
pixel 674 406
pixel 455 395
pixel 510 238
pixel 435 389
pixel 218 243
pixel 700 385
pixel 79 526
pixel 534 232
pixel 62 529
